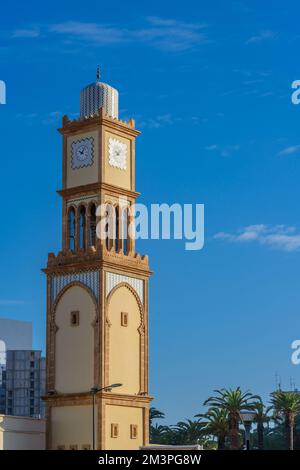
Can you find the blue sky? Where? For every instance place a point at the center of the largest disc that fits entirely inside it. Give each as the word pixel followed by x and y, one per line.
pixel 209 84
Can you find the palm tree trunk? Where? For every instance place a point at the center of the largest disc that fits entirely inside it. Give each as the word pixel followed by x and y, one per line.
pixel 260 436
pixel 289 430
pixel 234 432
pixel 221 442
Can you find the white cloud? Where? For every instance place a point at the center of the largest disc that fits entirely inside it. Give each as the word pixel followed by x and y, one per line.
pixel 11 302
pixel 223 150
pixel 289 150
pixel 266 35
pixel 51 117
pixel 211 147
pixel 171 34
pixel 162 33
pixel 158 121
pixel 26 33
pixel 100 34
pixel 281 237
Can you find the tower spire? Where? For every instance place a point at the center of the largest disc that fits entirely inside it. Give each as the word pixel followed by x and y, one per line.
pixel 98 72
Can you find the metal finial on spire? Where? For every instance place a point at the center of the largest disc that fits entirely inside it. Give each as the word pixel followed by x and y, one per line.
pixel 98 72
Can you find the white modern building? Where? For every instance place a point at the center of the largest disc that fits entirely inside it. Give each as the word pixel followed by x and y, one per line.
pixel 19 433
pixel 22 371
pixel 14 335
pixel 25 381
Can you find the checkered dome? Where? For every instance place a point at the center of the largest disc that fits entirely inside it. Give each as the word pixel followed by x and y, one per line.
pixel 99 95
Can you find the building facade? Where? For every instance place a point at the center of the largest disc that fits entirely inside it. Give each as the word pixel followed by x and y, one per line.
pixel 97 289
pixel 20 433
pixel 14 335
pixel 24 384
pixel 2 388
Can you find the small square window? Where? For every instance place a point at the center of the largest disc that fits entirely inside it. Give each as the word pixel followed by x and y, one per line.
pixel 86 447
pixel 133 431
pixel 74 319
pixel 73 447
pixel 114 430
pixel 60 447
pixel 124 319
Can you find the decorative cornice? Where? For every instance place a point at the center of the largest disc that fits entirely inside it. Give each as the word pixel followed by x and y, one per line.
pixel 97 188
pixel 73 262
pixel 100 119
pixel 61 399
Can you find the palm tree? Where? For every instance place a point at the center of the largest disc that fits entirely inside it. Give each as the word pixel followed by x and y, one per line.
pixel 188 432
pixel 286 405
pixel 216 424
pixel 159 434
pixel 261 417
pixel 233 401
pixel 155 414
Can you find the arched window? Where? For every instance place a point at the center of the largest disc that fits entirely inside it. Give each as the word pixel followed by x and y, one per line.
pixel 92 226
pixel 72 229
pixel 82 225
pixel 110 225
pixel 125 231
pixel 117 229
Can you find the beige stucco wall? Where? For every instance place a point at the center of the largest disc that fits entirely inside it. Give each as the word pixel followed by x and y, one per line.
pixel 124 342
pixel 22 433
pixel 86 175
pixel 72 425
pixel 74 354
pixel 116 176
pixel 124 416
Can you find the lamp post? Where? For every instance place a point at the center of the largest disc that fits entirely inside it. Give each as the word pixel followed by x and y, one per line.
pixel 247 418
pixel 94 391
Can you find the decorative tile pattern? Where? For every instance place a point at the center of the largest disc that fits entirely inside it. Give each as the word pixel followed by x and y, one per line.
pixel 117 153
pixel 88 278
pixel 82 153
pixel 99 95
pixel 113 279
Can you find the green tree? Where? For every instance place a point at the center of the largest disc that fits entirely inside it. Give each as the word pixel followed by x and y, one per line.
pixel 261 418
pixel 233 401
pixel 188 432
pixel 155 414
pixel 216 424
pixel 286 406
pixel 154 433
pixel 159 434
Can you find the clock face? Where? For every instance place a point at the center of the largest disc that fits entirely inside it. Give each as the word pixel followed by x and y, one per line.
pixel 82 153
pixel 117 153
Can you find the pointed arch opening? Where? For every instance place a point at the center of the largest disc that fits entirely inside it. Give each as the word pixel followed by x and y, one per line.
pixel 82 228
pixel 92 225
pixel 72 229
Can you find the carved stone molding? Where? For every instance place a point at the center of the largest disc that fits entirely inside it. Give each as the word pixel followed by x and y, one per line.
pixel 114 279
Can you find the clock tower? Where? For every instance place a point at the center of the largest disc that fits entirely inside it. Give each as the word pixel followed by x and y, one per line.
pixel 97 290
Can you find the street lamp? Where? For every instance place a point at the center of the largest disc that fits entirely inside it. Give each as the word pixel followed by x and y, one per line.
pixel 94 391
pixel 247 418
